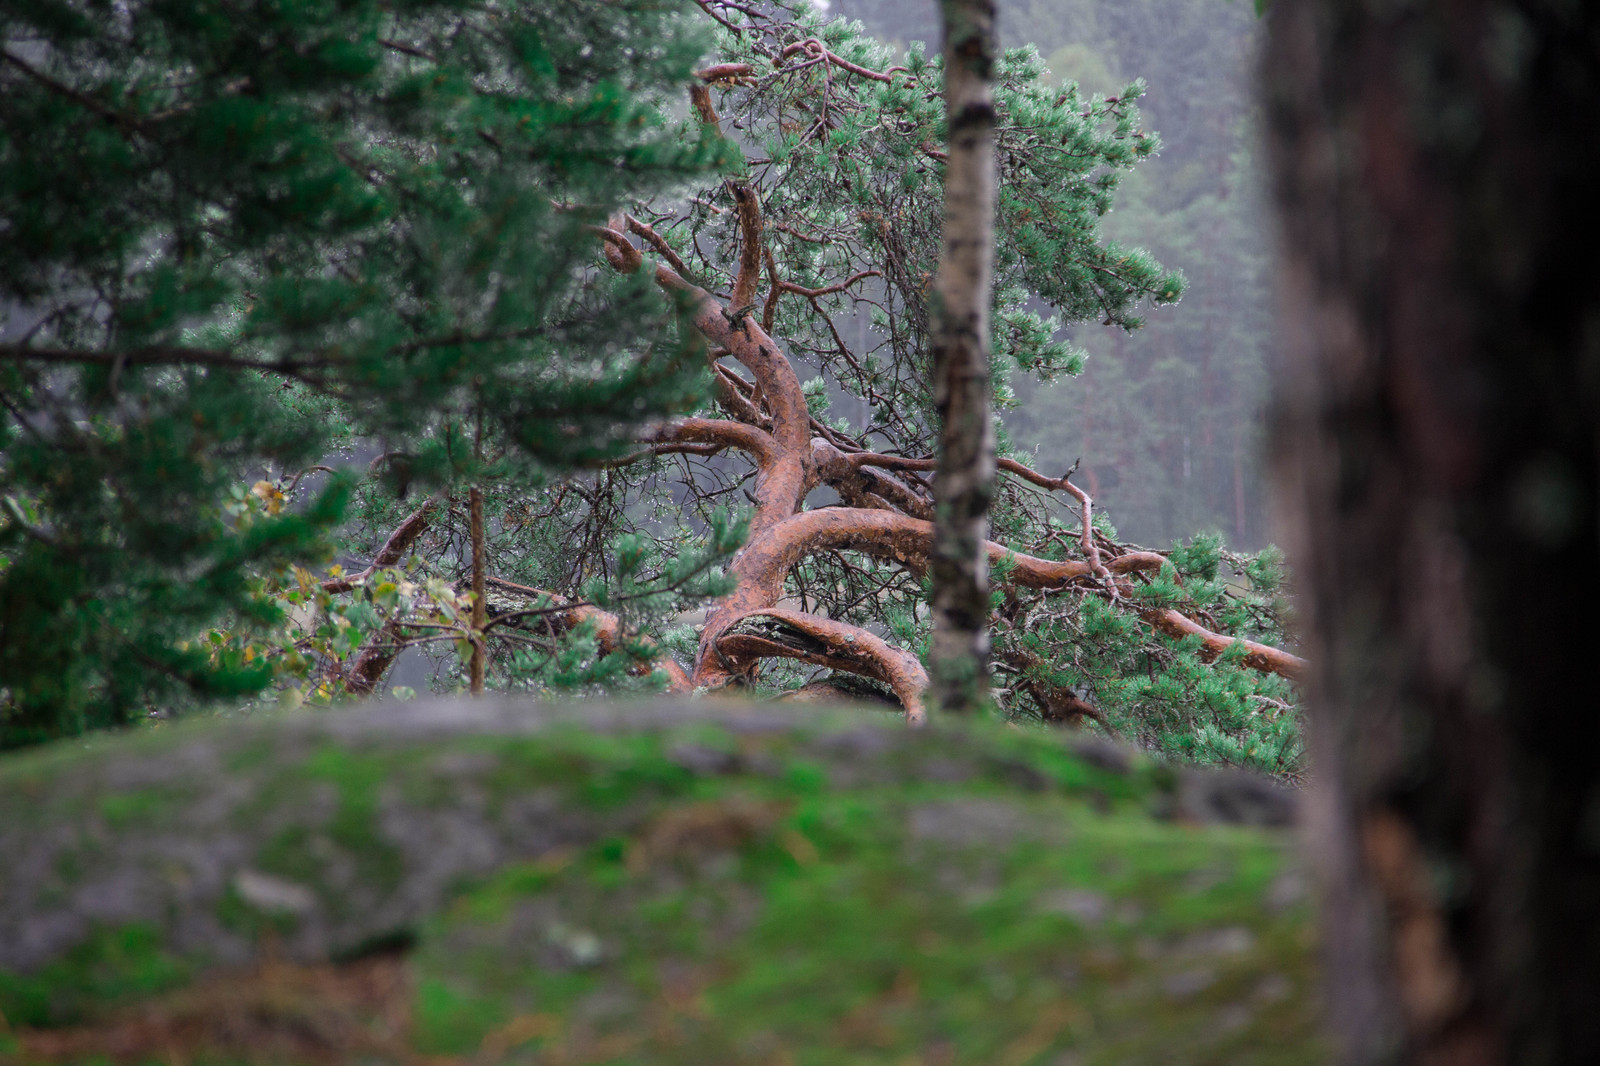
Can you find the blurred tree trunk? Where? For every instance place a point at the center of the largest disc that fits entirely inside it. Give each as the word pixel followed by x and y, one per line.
pixel 964 484
pixel 1439 433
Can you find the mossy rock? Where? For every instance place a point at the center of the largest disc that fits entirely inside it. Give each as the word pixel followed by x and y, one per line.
pixel 658 883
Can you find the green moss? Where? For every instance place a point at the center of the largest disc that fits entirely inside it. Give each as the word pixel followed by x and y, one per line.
pixel 603 772
pixel 359 777
pixel 971 894
pixel 147 805
pixel 111 967
pixel 838 936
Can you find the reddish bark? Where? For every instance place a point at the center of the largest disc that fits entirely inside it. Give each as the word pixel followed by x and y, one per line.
pixel 887 517
pixel 888 507
pixel 823 642
pixel 1260 657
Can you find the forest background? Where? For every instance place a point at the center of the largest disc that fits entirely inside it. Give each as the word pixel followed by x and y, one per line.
pixel 1170 421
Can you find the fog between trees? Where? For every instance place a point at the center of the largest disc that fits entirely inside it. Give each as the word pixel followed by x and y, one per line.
pixel 1169 420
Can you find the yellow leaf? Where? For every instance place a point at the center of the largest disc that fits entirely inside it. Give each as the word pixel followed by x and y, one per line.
pixel 269 494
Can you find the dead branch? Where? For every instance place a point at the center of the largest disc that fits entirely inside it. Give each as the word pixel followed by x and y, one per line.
pixel 719 432
pixel 749 276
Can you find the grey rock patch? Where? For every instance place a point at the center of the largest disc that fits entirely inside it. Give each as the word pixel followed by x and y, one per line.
pixel 1189 983
pixel 1234 1017
pixel 1234 797
pixel 1230 940
pixel 968 823
pixel 1286 890
pixel 864 742
pixel 1102 754
pixel 702 760
pixel 274 895
pixel 582 947
pixel 1274 988
pixel 1082 906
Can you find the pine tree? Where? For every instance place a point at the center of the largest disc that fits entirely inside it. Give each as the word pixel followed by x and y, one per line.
pixel 801 276
pixel 810 269
pixel 239 236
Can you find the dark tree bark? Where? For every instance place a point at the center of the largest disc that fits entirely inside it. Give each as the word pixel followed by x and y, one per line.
pixel 1437 170
pixel 964 484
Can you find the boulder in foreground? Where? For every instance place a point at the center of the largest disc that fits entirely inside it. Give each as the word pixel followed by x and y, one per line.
pixel 657 883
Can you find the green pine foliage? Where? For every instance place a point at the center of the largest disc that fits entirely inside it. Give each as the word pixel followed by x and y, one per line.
pixel 855 191
pixel 329 237
pixel 239 236
pixel 1158 691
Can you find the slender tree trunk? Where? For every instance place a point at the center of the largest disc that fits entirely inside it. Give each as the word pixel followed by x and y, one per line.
pixel 479 604
pixel 1437 165
pixel 964 484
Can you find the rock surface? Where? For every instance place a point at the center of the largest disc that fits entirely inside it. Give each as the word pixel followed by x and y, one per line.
pixel 665 882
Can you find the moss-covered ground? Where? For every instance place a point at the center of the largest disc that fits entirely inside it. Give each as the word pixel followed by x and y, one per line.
pixel 684 893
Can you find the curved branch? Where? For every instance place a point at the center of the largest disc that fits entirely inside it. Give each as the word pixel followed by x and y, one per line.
pixel 767 559
pixel 782 483
pixel 789 286
pixel 391 552
pixel 1091 551
pixel 374 661
pixel 1261 657
pixel 898 538
pixel 819 51
pixel 859 485
pixel 648 233
pixel 720 432
pixel 777 632
pixel 725 72
pixel 620 252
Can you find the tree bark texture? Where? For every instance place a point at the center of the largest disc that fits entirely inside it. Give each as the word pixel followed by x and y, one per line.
pixel 1437 166
pixel 965 482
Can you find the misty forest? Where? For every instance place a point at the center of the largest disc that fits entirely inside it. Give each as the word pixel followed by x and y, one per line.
pixel 748 531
